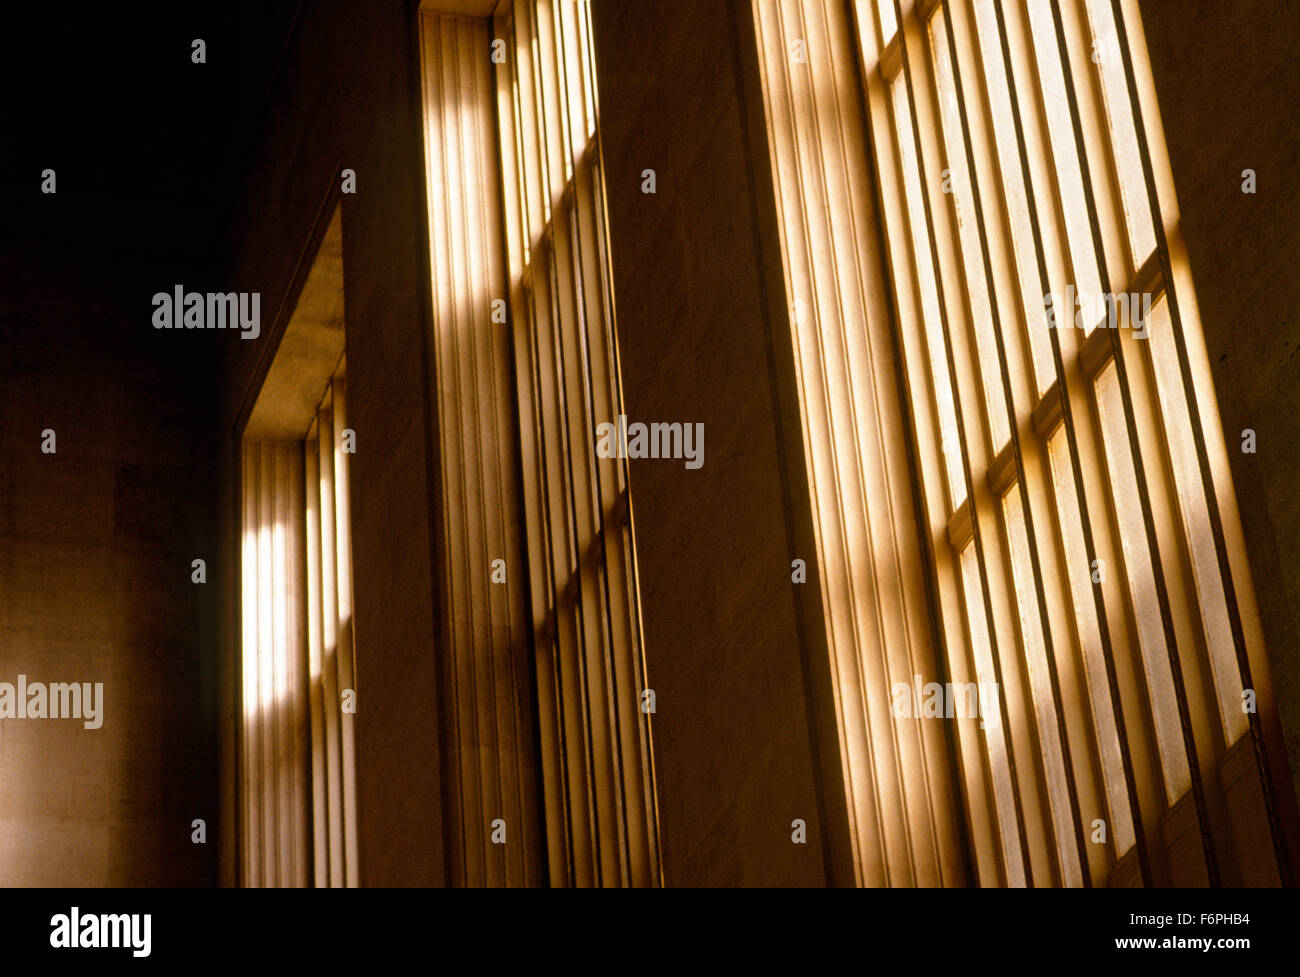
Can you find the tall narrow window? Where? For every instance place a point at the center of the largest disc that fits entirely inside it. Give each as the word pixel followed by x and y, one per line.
pixel 595 718
pixel 527 368
pixel 298 791
pixel 1079 534
pixel 332 655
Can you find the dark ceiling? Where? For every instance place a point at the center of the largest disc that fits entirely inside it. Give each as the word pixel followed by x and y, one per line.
pixel 148 147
